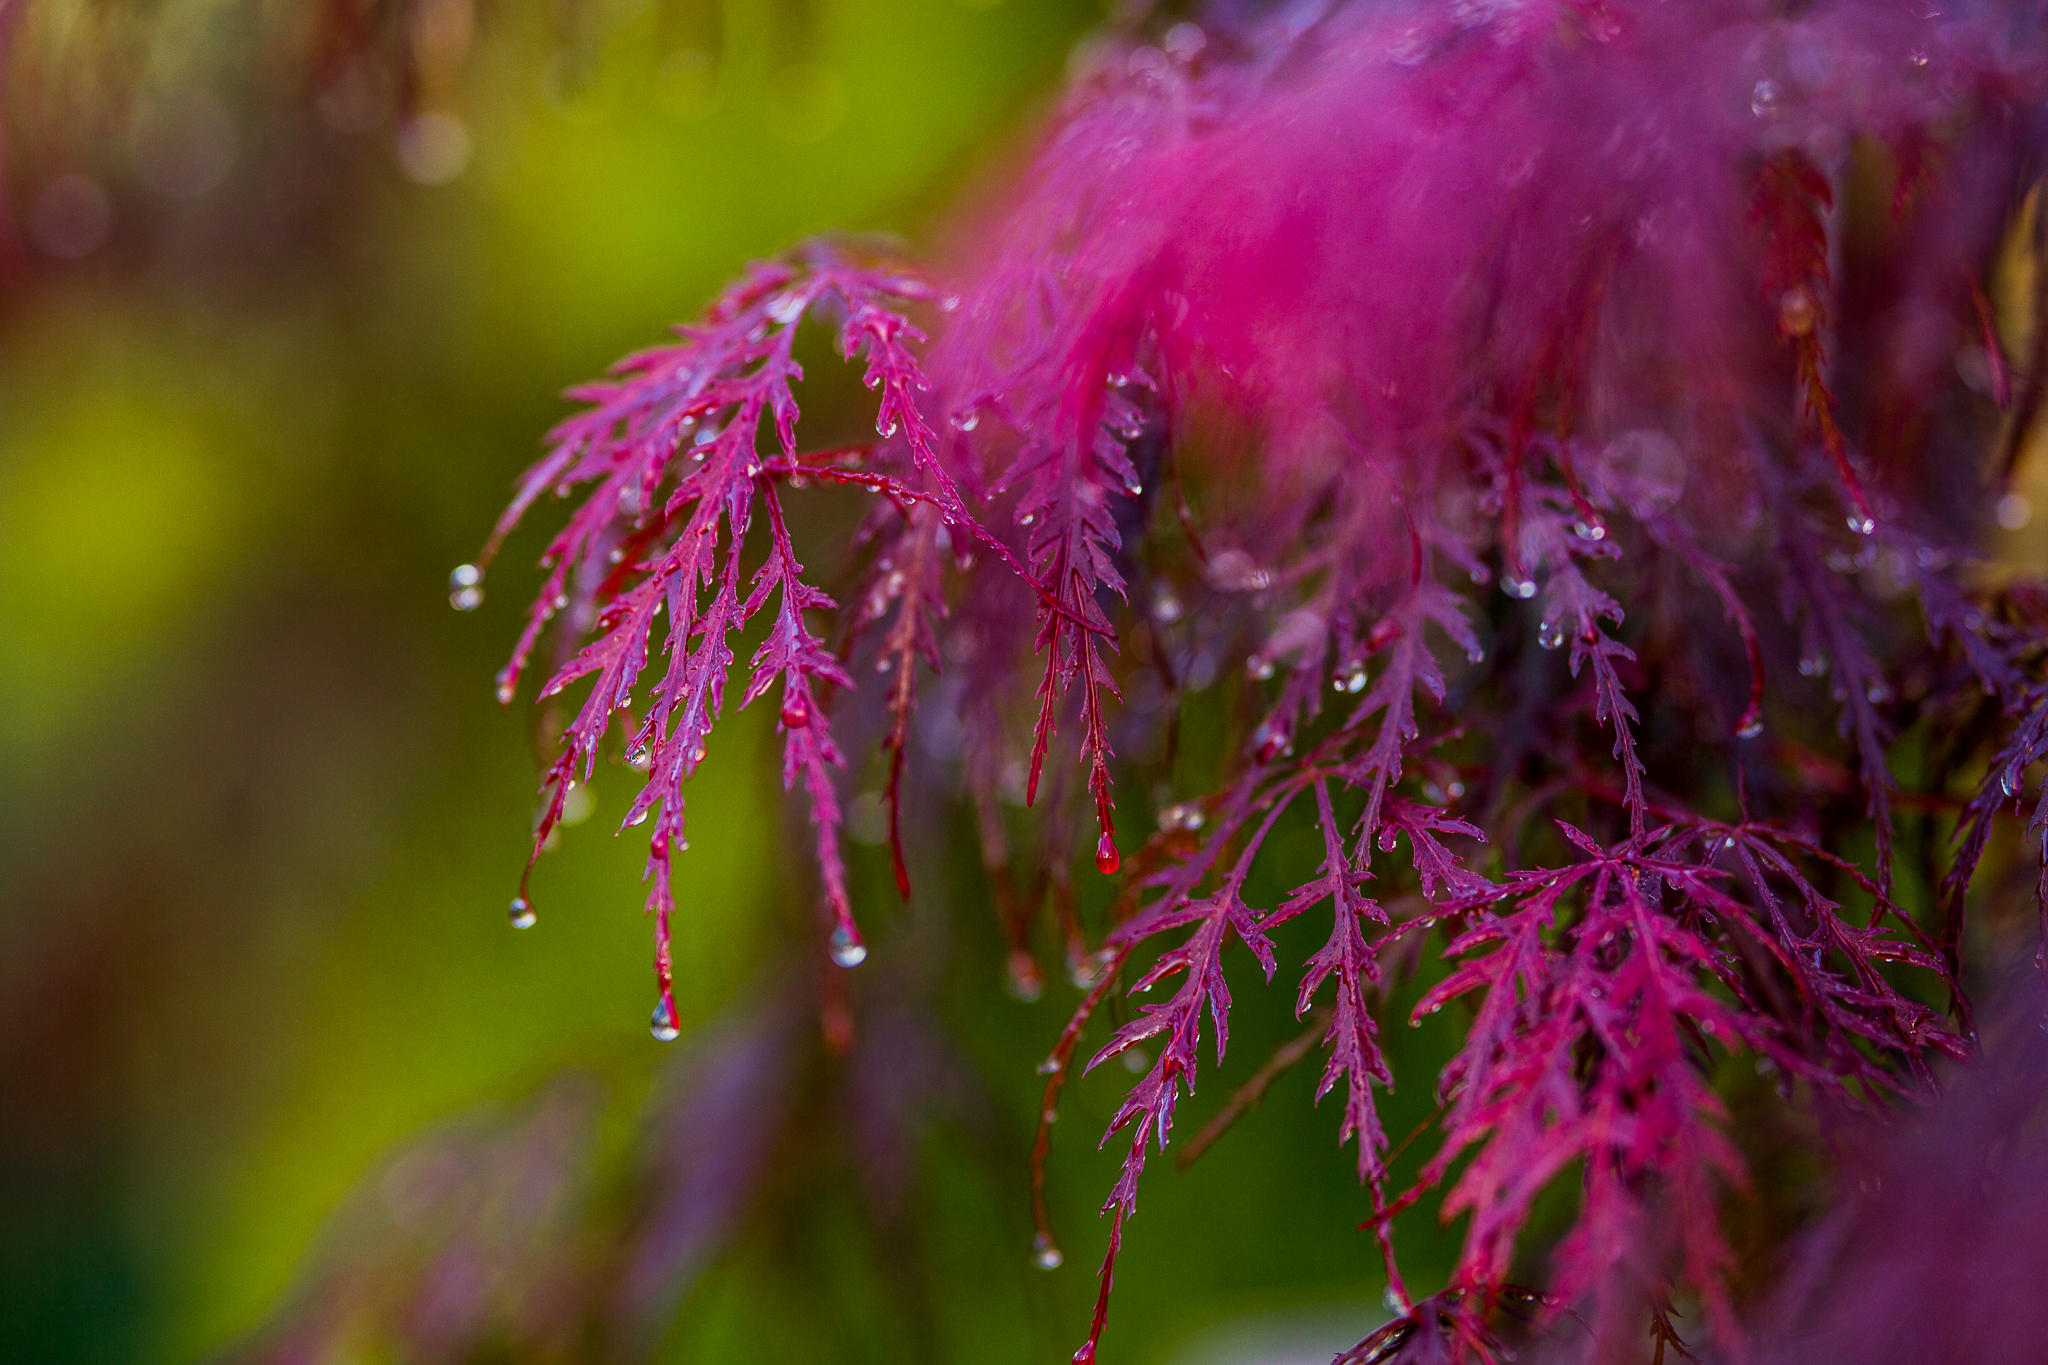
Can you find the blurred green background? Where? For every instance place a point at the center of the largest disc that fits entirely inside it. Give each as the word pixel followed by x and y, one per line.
pixel 272 347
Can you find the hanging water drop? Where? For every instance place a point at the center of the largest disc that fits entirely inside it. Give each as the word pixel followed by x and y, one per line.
pixel 1589 530
pixel 2012 781
pixel 1813 665
pixel 1045 1253
pixel 1258 667
pixel 1107 859
pixel 1270 741
pixel 966 420
pixel 663 1024
pixel 521 914
pixel 1351 678
pixel 885 425
pixel 1023 979
pixel 466 587
pixel 1183 815
pixel 1766 99
pixel 1519 588
pixel 1750 728
pixel 1861 523
pixel 507 688
pixel 640 760
pixel 846 947
pixel 1550 634
pixel 796 711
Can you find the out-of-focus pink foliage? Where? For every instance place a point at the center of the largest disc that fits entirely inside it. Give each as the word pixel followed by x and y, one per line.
pixel 1307 327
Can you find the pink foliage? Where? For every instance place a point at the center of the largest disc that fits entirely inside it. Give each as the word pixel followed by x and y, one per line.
pixel 1300 332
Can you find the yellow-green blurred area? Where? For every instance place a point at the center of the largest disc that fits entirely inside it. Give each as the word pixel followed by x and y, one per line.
pixel 280 326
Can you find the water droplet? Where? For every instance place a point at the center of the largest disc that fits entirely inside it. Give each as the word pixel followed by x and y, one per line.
pixel 1183 815
pixel 885 425
pixel 521 914
pixel 1107 859
pixel 2012 781
pixel 1861 524
pixel 1024 980
pixel 663 1024
pixel 1166 608
pixel 1270 741
pixel 1259 667
pixel 1878 693
pixel 1550 634
pixel 507 688
pixel 1750 728
pixel 1045 1253
pixel 638 817
pixel 796 711
pixel 2013 512
pixel 1813 665
pixel 466 587
pixel 1766 100
pixel 1481 574
pixel 1048 1066
pixel 847 949
pixel 1522 589
pixel 640 760
pixel 967 419
pixel 1589 530
pixel 1086 1355
pixel 785 308
pixel 1350 679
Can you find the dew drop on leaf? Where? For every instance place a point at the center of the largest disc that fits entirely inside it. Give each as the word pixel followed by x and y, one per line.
pixel 521 914
pixel 663 1024
pixel 1522 589
pixel 1550 634
pixel 1045 1253
pixel 846 947
pixel 1750 728
pixel 1107 859
pixel 1861 523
